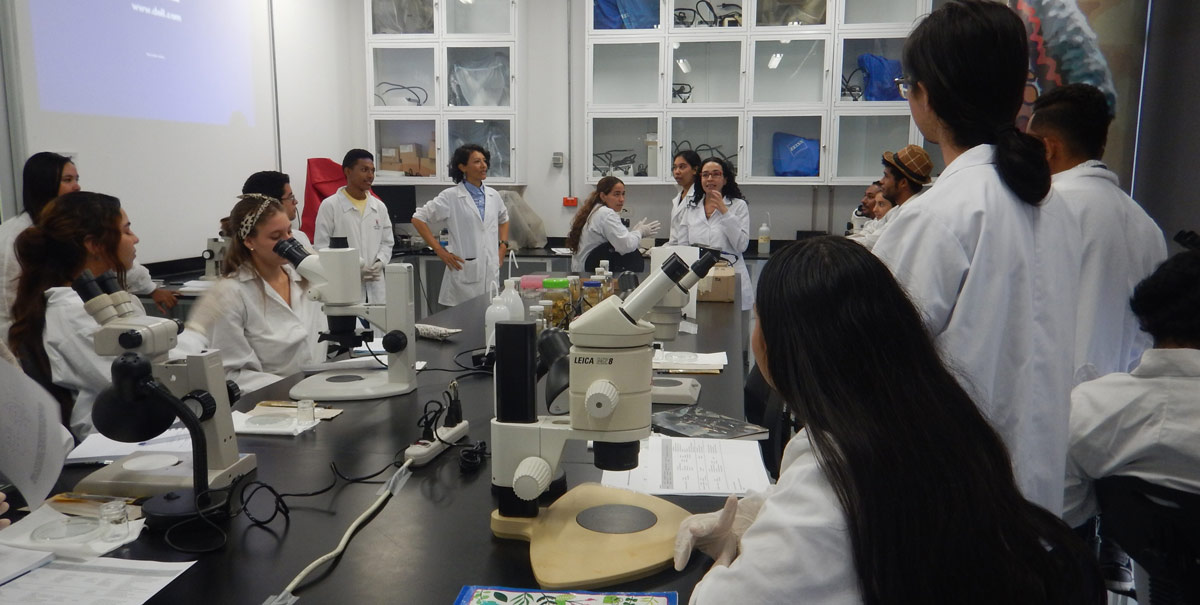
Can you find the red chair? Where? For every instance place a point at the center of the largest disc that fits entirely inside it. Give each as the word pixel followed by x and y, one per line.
pixel 324 178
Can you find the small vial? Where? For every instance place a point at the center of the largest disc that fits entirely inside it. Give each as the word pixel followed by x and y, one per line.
pixel 306 414
pixel 115 519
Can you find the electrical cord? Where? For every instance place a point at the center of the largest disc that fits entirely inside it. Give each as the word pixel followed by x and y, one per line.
pixel 419 95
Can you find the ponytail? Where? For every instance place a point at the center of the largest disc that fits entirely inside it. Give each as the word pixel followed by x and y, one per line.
pixel 1021 162
pixel 605 186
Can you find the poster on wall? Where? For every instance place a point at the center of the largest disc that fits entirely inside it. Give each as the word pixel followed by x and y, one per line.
pixel 1097 42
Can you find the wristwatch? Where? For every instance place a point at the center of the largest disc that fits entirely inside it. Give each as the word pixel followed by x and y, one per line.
pixel 504 243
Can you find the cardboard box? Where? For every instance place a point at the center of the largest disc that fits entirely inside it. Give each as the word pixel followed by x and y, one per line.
pixel 718 286
pixel 391 165
pixel 428 166
pixel 388 154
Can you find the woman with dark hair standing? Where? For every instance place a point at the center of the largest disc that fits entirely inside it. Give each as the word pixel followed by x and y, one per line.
pixel 478 224
pixel 989 252
pixel 51 332
pixel 598 222
pixel 685 167
pixel 897 489
pixel 718 219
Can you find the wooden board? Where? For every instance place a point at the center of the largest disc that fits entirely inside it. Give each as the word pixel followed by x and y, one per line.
pixel 566 555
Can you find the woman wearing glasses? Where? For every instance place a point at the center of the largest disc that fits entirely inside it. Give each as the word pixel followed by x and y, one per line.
pixel 989 252
pixel 720 220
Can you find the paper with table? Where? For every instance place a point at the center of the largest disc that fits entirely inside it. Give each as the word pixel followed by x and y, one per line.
pixel 83 546
pixel 110 581
pixel 683 360
pixel 686 466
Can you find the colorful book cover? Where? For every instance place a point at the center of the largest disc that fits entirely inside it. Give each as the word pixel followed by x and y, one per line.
pixel 499 595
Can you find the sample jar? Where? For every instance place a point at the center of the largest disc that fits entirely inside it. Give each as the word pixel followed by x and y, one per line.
pixel 558 292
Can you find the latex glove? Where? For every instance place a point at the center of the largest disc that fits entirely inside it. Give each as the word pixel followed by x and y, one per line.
pixel 718 534
pixel 373 271
pixel 208 310
pixel 3 509
pixel 646 228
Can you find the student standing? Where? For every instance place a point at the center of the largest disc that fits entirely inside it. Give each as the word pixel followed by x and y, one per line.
pixel 478 224
pixel 360 217
pixel 720 219
pixel 989 252
pixel 685 167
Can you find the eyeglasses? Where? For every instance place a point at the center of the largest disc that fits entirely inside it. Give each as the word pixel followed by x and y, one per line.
pixel 904 85
pixel 288 198
pixel 711 175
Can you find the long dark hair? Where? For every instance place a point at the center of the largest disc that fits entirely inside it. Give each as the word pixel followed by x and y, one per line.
pixel 693 160
pixel 52 253
pixel 731 189
pixel 40 181
pixel 972 58
pixel 605 186
pixel 932 508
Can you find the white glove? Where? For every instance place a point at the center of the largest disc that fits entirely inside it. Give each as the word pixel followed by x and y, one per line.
pixel 208 310
pixel 373 271
pixel 646 228
pixel 718 534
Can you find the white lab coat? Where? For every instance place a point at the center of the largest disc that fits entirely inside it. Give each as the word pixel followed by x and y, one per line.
pixel 1141 424
pixel 137 278
pixel 997 282
pixel 370 233
pixel 1121 246
pixel 604 225
pixel 302 237
pixel 730 232
pixel 870 232
pixel 470 238
pixel 74 364
pixel 260 337
pixel 678 205
pixel 797 549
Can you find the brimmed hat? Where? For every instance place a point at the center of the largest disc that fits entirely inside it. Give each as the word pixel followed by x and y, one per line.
pixel 912 161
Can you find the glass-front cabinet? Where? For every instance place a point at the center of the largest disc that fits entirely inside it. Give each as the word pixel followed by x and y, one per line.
pixel 789 91
pixel 441 74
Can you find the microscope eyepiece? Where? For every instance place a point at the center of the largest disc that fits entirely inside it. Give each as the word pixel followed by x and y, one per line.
pixel 291 250
pixel 85 285
pixel 675 268
pixel 338 243
pixel 706 262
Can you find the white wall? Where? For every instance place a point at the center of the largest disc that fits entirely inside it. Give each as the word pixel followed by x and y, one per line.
pixel 320 72
pixel 321 67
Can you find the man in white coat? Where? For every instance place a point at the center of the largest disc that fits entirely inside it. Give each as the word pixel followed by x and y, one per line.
pixel 1121 243
pixel 478 224
pixel 905 174
pixel 278 185
pixel 354 213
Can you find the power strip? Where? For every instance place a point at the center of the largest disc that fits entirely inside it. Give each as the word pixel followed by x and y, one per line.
pixel 423 452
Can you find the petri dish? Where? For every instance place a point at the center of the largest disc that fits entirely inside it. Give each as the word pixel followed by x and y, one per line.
pixel 71 530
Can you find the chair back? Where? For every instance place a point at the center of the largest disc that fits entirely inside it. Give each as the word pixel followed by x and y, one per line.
pixel 633 261
pixel 765 407
pixel 1158 527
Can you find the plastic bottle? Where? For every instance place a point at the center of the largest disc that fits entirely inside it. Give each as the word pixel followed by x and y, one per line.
pixel 764 239
pixel 512 298
pixel 497 311
pixel 444 238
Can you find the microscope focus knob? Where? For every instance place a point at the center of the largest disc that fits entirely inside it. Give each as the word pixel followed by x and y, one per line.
pixel 395 341
pixel 601 399
pixel 130 339
pixel 531 478
pixel 207 255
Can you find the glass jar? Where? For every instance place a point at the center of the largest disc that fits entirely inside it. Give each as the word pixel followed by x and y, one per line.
pixel 593 293
pixel 576 287
pixel 605 286
pixel 558 292
pixel 531 288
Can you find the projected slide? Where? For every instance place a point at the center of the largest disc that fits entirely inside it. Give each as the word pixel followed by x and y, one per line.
pixel 173 60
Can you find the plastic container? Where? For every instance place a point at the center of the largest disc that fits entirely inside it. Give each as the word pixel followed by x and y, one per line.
pixel 606 287
pixel 531 288
pixel 512 298
pixel 576 287
pixel 497 311
pixel 764 239
pixel 558 292
pixel 534 313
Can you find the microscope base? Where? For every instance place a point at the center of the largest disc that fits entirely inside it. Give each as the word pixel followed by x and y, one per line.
pixel 629 536
pixel 147 474
pixel 350 385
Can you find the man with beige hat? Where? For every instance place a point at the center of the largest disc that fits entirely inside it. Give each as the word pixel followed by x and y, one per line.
pixel 905 173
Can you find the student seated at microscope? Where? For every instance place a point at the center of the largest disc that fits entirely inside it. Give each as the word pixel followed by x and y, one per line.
pixel 258 314
pixel 52 334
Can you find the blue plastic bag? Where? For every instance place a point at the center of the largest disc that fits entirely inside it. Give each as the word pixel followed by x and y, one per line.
pixel 879 78
pixel 794 155
pixel 625 14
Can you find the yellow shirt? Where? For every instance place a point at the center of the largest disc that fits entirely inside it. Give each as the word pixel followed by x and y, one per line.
pixel 361 205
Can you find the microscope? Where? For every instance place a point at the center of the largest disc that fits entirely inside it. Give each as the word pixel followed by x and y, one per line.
pixel 213 256
pixel 334 281
pixel 666 317
pixel 148 393
pixel 609 393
